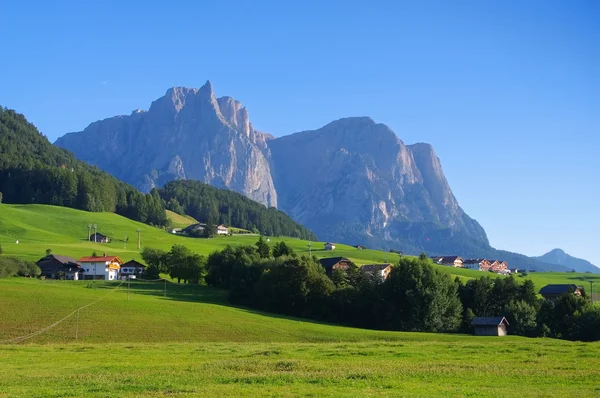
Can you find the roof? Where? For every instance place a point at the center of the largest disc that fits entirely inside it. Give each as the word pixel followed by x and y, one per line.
pixel 489 321
pixel 329 243
pixel 331 261
pixel 449 259
pixel 558 289
pixel 133 263
pixel 99 234
pixel 374 267
pixel 100 259
pixel 64 260
pixel 474 261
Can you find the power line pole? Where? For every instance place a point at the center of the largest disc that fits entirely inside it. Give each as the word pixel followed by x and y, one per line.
pixel 591 290
pixel 95 232
pixel 77 326
pixel 128 280
pixel 89 232
pixel 165 295
pixel 139 238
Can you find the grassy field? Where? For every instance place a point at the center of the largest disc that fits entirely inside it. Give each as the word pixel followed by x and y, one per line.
pixel 64 230
pixel 179 221
pixel 191 343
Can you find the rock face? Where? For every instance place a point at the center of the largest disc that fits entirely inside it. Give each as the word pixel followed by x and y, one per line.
pixel 559 257
pixel 188 133
pixel 352 181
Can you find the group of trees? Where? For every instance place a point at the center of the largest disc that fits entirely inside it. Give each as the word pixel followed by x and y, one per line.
pixel 34 171
pixel 415 297
pixel 221 206
pixel 180 263
pixel 11 266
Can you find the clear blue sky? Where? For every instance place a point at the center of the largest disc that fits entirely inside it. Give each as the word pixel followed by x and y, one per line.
pixel 508 92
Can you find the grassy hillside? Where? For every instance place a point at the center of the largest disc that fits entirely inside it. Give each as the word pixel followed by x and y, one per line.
pixel 179 221
pixel 190 343
pixel 64 230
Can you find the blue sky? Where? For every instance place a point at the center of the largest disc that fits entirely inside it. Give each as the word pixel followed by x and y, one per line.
pixel 508 92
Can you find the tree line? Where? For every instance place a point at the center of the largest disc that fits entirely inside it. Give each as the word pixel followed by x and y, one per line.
pixel 34 171
pixel 221 206
pixel 415 297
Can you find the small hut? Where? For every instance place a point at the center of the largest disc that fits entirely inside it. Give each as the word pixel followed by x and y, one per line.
pixel 490 326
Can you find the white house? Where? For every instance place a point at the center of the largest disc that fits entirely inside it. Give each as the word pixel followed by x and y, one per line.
pixel 104 267
pixel 329 246
pixel 222 230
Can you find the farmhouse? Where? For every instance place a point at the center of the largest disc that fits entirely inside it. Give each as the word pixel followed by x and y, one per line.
pixel 222 230
pixel 453 261
pixel 552 292
pixel 54 267
pixel 478 264
pixel 105 267
pixel 329 246
pixel 490 326
pixel 379 271
pixel 131 269
pixel 333 263
pixel 99 238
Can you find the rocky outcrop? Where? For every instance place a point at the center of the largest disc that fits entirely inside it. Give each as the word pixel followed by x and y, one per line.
pixel 188 133
pixel 354 180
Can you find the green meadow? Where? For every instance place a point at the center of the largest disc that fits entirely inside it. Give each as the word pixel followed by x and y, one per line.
pixel 137 342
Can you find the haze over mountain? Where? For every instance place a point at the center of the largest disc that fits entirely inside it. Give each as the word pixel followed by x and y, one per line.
pixel 352 181
pixel 558 256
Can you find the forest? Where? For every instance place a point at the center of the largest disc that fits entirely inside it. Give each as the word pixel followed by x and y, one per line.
pixel 32 170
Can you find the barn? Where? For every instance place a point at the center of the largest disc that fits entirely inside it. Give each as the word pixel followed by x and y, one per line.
pixel 490 326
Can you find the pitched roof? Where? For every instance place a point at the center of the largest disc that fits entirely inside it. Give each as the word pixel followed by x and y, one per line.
pixel 474 261
pixel 102 259
pixel 558 289
pixel 489 321
pixel 374 267
pixel 449 259
pixel 331 261
pixel 65 260
pixel 133 263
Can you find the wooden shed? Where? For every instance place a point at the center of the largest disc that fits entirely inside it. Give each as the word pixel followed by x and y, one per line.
pixel 490 326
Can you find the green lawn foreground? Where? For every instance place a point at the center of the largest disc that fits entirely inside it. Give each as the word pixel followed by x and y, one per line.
pixel 191 343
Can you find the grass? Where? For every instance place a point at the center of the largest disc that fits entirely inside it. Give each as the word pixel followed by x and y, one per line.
pixel 190 343
pixel 179 221
pixel 64 230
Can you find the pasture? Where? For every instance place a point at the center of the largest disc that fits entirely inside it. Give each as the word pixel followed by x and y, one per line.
pixel 192 344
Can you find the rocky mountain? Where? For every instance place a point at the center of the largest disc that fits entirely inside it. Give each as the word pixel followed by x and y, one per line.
pixel 352 181
pixel 559 257
pixel 186 134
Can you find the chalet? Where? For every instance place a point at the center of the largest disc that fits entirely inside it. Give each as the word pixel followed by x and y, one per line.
pixel 104 267
pixel 54 267
pixel 478 264
pixel 195 229
pixel 99 238
pixel 332 263
pixel 552 292
pixel 131 269
pixel 329 246
pixel 452 261
pixel 360 247
pixel 379 271
pixel 493 265
pixel 222 230
pixel 490 326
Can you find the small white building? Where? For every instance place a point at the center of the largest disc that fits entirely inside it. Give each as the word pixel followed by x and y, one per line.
pixel 329 246
pixel 222 230
pixel 102 268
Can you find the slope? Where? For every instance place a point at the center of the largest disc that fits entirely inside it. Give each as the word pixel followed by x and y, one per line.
pixel 559 257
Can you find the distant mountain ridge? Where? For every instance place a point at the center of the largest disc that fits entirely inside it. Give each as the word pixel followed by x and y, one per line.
pixel 558 256
pixel 352 181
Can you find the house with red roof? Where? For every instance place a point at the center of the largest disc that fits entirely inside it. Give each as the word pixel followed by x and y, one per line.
pixel 101 267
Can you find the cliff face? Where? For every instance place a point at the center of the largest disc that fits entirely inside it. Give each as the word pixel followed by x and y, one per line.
pixel 187 134
pixel 356 181
pixel 352 181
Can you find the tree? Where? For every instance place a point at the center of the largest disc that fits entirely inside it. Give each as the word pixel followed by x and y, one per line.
pixel 521 317
pixel 0 197
pixel 282 249
pixel 1 249
pixel 264 251
pixel 48 252
pixel 156 260
pixel 421 298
